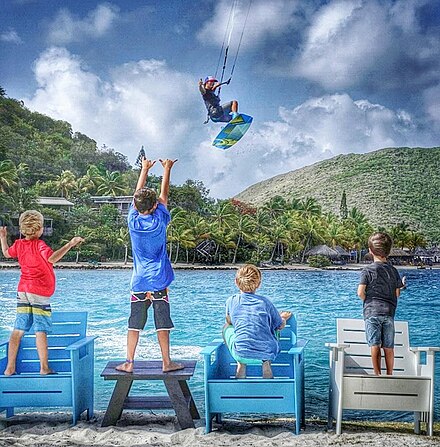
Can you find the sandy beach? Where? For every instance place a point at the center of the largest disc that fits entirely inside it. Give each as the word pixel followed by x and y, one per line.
pixel 146 429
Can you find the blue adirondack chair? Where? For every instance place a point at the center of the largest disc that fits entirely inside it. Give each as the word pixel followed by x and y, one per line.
pixel 71 356
pixel 284 394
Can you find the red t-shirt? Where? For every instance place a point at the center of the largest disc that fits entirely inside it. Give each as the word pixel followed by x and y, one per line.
pixel 37 275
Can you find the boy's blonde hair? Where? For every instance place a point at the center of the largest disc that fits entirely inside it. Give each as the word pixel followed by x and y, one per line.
pixel 30 223
pixel 380 244
pixel 248 278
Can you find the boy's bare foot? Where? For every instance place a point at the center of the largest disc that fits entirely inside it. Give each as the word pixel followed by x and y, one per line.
pixel 241 371
pixel 125 367
pixel 47 371
pixel 267 370
pixel 172 366
pixel 9 372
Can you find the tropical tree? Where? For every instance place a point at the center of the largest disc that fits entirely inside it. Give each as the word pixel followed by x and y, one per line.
pixel 242 230
pixel 111 184
pixel 359 230
pixel 8 175
pixel 66 183
pixel 124 240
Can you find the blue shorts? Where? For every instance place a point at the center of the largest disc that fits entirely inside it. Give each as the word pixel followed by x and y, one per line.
pixel 33 311
pixel 379 331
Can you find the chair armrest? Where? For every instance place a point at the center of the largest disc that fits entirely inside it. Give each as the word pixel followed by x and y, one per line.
pixel 210 349
pixel 340 346
pixel 425 349
pixel 80 343
pixel 298 348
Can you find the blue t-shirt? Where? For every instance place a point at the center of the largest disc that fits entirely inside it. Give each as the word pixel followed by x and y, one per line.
pixel 152 269
pixel 255 320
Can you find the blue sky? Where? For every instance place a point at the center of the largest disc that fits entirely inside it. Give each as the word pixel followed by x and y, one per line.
pixel 321 78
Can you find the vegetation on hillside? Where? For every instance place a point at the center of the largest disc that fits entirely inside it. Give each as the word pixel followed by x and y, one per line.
pixel 389 186
pixel 40 156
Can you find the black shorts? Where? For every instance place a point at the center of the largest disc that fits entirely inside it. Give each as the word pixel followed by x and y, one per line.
pixel 141 302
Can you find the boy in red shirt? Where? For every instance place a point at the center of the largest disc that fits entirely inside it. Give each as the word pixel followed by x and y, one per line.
pixel 36 285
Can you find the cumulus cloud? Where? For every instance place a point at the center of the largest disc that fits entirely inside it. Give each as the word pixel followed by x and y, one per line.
pixel 136 106
pixel 67 27
pixel 10 36
pixel 319 128
pixel 265 19
pixel 140 105
pixel 378 44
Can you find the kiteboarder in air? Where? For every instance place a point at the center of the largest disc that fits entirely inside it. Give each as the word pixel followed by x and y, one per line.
pixel 216 112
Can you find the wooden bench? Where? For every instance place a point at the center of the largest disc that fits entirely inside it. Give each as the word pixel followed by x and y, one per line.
pixel 353 385
pixel 71 356
pixel 179 395
pixel 284 394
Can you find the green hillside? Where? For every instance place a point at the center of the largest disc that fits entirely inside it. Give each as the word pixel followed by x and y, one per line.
pixel 389 186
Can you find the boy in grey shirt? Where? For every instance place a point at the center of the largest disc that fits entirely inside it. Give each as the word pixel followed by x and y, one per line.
pixel 379 288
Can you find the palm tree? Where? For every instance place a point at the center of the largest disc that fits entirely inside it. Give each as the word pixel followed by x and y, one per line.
pixel 243 228
pixel 66 183
pixel 310 207
pixel 111 184
pixel 359 230
pixel 275 207
pixel 8 175
pixel 124 240
pixel 313 231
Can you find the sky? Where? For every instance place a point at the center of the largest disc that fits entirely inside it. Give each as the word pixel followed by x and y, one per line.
pixel 320 77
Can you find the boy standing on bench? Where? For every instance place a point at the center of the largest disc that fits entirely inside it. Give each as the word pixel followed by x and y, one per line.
pixel 36 285
pixel 148 218
pixel 379 289
pixel 251 324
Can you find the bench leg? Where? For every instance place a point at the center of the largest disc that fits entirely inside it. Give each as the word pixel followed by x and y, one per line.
pixel 187 393
pixel 116 404
pixel 179 403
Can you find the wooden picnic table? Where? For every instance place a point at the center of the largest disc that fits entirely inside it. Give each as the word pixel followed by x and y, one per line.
pixel 179 395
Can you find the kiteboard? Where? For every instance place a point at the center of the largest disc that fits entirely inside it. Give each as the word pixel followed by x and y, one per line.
pixel 233 131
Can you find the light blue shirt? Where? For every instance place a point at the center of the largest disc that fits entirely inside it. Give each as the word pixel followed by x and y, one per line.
pixel 255 320
pixel 152 269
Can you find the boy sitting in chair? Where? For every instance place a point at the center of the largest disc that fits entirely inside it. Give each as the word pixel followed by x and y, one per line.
pixel 251 324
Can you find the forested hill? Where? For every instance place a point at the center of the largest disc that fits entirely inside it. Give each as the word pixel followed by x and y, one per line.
pixel 389 186
pixel 49 146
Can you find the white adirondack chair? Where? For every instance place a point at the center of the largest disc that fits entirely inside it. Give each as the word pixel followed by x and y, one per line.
pixel 353 385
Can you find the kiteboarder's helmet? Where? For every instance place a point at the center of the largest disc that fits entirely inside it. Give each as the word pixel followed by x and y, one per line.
pixel 210 79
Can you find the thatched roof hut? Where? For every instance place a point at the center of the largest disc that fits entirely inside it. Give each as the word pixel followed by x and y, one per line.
pixel 423 252
pixel 323 250
pixel 399 253
pixel 342 252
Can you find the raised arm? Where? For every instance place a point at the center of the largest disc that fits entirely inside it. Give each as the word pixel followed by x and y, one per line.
pixel 165 187
pixel 146 166
pixel 57 255
pixel 4 241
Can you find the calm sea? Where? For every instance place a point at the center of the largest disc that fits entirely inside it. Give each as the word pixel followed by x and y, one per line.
pixel 197 299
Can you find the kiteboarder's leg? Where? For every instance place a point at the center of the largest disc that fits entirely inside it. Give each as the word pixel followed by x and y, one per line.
pixel 234 108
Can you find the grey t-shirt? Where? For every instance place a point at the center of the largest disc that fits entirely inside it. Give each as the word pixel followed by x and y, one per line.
pixel 381 280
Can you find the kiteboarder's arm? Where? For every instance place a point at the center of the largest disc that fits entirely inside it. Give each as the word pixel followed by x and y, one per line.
pixel 218 84
pixel 165 187
pixel 202 87
pixel 146 166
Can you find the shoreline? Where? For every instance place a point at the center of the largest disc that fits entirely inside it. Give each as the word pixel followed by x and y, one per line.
pixel 10 265
pixel 161 430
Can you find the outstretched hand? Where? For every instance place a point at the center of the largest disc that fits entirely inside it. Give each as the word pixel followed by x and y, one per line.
pixel 3 232
pixel 167 163
pixel 75 241
pixel 147 164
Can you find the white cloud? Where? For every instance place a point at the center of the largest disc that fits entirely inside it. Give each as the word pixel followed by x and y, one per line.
pixel 10 36
pixel 378 44
pixel 265 19
pixel 67 28
pixel 319 128
pixel 139 105
pixel 147 103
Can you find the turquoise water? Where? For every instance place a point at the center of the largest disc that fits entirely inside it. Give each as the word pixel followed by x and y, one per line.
pixel 197 299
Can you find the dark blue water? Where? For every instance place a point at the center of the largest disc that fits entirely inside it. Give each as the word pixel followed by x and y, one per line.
pixel 197 300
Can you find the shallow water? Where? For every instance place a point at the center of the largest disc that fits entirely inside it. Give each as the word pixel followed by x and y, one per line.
pixel 197 300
